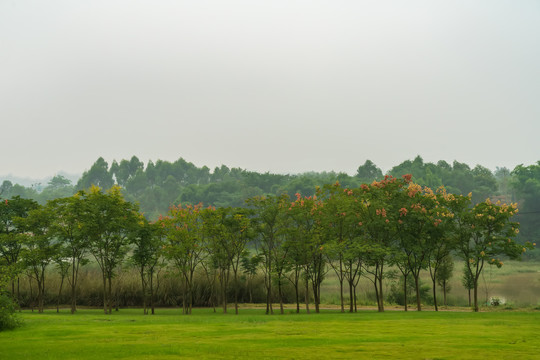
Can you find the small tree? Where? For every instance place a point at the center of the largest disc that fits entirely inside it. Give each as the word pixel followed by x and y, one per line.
pixel 40 247
pixel 468 282
pixel 250 265
pixel 184 231
pixel 69 228
pixel 446 269
pixel 485 233
pixel 109 220
pixel 8 320
pixel 148 248
pixel 11 235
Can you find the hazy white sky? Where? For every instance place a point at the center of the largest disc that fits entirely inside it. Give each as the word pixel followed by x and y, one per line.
pixel 276 85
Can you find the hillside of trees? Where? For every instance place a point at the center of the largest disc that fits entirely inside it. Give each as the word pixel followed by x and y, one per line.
pixel 157 186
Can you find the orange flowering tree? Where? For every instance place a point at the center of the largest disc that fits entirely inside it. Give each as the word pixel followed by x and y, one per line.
pixel 379 215
pixel 440 238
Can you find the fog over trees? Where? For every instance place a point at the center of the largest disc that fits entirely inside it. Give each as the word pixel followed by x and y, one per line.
pixel 155 186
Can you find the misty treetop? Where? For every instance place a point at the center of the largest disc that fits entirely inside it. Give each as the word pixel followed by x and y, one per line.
pixel 157 186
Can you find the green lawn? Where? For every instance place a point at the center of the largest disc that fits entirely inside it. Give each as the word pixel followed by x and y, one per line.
pixel 128 334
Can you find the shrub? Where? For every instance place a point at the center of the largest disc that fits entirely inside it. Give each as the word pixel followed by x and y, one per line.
pixel 8 320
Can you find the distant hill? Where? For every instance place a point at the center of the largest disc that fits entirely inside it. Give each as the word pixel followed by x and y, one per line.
pixel 35 183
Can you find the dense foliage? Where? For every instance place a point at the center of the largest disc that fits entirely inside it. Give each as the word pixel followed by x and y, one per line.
pixel 353 231
pixel 157 186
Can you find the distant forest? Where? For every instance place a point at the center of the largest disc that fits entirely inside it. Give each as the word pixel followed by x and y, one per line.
pixel 157 186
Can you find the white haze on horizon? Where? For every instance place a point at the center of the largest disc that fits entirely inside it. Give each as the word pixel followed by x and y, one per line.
pixel 280 86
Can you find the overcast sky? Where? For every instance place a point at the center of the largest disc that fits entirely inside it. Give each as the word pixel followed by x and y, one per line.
pixel 281 86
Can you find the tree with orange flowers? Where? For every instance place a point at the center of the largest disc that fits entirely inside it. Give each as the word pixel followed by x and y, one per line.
pixel 379 214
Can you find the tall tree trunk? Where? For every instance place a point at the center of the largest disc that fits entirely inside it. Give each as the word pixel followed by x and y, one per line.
pixel 444 293
pixel 269 309
pixel 296 294
pixel 341 283
pixel 109 295
pixel 59 294
pixel 406 300
pixel 73 288
pixel 235 293
pixel 315 296
pixel 104 293
pixel 351 295
pixel 31 300
pixel 435 293
pixel 417 286
pixel 354 296
pixel 184 295
pixel 280 291
pixel 19 293
pixel 307 295
pixel 476 308
pixel 376 286
pixel 145 310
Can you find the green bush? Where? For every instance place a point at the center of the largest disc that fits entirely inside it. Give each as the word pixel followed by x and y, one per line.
pixel 8 320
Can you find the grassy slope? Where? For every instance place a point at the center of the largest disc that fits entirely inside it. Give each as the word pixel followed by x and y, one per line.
pixel 127 334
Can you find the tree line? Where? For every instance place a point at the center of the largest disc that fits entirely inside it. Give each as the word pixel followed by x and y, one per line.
pixel 157 185
pixel 352 231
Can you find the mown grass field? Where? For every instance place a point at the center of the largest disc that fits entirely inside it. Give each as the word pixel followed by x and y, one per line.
pixel 128 334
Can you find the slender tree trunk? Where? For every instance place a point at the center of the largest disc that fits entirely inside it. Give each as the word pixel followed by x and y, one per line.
pixel 307 295
pixel 18 293
pixel 351 295
pixel 341 295
pixel 59 294
pixel 354 296
pixel 341 284
pixel 151 280
pixel 375 284
pixel 444 293
pixel 31 300
pixel 280 290
pixel 235 293
pixel 476 309
pixel 381 297
pixel 405 292
pixel 184 296
pixel 190 289
pixel 104 293
pixel 269 308
pixel 250 292
pixel 417 286
pixel 73 287
pixel 435 294
pixel 145 310
pixel 315 296
pixel 109 295
pixel 296 294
